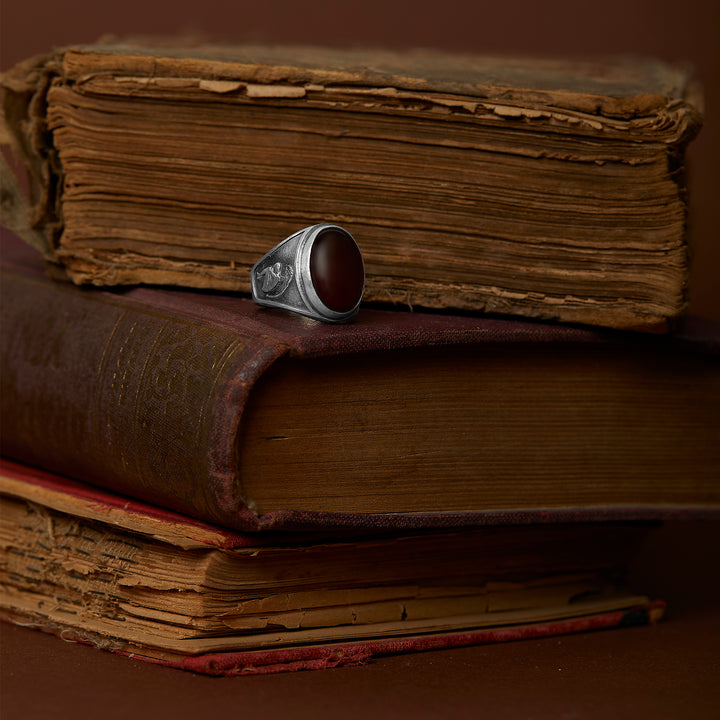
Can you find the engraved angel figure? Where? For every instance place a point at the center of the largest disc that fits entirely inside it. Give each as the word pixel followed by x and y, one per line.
pixel 274 279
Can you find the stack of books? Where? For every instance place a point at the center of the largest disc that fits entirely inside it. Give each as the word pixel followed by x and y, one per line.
pixel 194 480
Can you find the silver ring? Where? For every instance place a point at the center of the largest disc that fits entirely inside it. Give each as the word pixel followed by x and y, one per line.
pixel 317 272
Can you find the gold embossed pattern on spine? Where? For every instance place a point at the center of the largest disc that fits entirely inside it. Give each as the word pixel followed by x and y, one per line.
pixel 153 403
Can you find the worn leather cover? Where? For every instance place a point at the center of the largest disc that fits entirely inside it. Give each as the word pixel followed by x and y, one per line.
pixel 142 391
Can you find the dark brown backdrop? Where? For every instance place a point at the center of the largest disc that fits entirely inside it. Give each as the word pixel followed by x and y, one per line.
pixel 666 28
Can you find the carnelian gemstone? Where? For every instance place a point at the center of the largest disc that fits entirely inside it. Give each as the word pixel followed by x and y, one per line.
pixel 337 270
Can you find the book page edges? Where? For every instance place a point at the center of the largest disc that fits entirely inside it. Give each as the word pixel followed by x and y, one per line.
pixel 335 654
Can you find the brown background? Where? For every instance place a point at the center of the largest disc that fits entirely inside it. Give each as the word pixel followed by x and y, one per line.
pixel 668 671
pixel 688 30
pixel 665 672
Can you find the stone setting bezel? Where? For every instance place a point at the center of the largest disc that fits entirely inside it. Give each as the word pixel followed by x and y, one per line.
pixel 301 296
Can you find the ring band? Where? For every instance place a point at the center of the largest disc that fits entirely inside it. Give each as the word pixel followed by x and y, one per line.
pixel 317 272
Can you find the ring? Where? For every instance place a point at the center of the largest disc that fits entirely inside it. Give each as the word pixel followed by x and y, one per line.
pixel 317 272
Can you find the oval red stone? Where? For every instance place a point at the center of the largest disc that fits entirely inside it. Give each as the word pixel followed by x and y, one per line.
pixel 337 270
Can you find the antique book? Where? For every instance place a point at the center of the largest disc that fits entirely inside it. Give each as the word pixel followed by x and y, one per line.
pixel 253 418
pixel 98 568
pixel 543 188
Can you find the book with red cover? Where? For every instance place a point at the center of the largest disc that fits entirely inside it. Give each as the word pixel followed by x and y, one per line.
pixel 98 568
pixel 251 418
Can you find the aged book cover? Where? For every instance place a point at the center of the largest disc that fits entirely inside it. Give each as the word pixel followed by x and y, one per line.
pixel 94 567
pixel 544 188
pixel 251 418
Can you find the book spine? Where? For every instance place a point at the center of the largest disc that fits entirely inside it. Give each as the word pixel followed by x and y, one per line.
pixel 141 400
